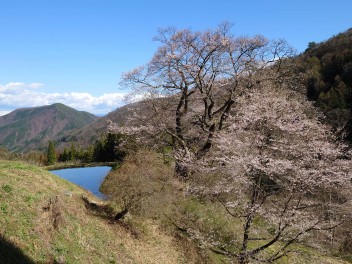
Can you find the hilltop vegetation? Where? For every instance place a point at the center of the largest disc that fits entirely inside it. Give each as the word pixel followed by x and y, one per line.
pixel 329 82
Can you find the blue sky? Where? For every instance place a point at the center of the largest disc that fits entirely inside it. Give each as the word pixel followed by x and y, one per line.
pixel 75 51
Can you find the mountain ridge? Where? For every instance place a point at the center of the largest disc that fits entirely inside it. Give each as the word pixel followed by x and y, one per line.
pixel 87 134
pixel 30 128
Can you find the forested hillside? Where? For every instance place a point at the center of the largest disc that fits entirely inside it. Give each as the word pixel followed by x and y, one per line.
pixel 91 132
pixel 31 128
pixel 330 79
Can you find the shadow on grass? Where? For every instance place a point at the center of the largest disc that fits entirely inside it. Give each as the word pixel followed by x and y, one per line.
pixel 10 254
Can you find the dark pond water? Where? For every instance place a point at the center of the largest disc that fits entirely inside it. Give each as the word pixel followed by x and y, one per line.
pixel 89 178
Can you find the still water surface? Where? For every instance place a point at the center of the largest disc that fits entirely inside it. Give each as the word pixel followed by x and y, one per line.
pixel 89 178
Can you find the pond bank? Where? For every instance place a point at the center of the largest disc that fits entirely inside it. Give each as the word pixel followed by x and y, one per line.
pixel 63 165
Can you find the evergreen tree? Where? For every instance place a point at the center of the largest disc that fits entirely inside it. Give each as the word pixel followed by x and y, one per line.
pixel 111 147
pixel 64 156
pixel 98 151
pixel 108 148
pixel 88 154
pixel 51 155
pixel 73 152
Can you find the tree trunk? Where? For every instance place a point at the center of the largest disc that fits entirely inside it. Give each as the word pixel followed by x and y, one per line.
pixel 243 259
pixel 181 171
pixel 348 129
pixel 121 214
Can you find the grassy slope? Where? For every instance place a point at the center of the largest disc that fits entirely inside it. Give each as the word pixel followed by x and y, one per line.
pixel 43 217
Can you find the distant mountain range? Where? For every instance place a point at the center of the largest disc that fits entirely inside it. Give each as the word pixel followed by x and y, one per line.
pixel 31 128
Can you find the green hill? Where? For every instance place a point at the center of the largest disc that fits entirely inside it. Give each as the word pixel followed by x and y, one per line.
pixel 31 128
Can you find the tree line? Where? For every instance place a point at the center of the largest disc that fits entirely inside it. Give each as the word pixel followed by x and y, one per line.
pixel 106 149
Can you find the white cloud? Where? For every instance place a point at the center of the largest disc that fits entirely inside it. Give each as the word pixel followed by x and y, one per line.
pixel 15 87
pixel 17 95
pixel 4 113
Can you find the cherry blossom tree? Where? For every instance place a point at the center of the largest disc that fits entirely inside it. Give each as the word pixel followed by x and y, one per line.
pixel 196 77
pixel 278 163
pixel 230 106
